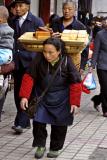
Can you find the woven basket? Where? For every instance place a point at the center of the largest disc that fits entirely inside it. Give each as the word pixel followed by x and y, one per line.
pixel 76 58
pixel 74 48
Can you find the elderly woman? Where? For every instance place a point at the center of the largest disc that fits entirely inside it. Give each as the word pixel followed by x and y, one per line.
pixel 58 105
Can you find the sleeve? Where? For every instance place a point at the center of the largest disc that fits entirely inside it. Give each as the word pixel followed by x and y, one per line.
pixel 75 94
pixel 26 86
pixel 96 50
pixel 38 22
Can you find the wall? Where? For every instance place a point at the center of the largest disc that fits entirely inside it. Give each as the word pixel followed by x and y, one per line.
pixel 35 7
pixel 99 7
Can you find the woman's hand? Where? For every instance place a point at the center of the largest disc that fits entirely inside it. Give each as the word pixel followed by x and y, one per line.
pixel 74 109
pixel 24 103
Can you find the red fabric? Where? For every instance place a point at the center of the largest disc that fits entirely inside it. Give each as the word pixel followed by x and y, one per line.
pixel 84 88
pixel 8 2
pixel 26 86
pixel 75 94
pixel 91 46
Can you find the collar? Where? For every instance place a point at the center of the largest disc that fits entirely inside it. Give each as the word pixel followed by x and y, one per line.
pixel 54 62
pixel 24 16
pixel 28 17
pixel 71 25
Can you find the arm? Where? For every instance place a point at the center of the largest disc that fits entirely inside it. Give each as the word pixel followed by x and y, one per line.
pixel 75 97
pixel 25 90
pixel 96 50
pixel 75 85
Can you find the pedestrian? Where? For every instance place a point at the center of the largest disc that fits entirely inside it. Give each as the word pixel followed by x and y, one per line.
pixel 96 99
pixel 12 11
pixel 99 59
pixel 6 47
pixel 52 18
pixel 24 21
pixel 69 21
pixel 58 105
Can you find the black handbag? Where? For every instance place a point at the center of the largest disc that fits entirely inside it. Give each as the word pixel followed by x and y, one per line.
pixel 33 102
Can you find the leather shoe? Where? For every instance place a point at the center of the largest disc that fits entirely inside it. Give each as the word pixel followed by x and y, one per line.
pixel 105 114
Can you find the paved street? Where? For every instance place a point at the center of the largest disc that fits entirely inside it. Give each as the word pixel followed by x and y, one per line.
pixel 86 138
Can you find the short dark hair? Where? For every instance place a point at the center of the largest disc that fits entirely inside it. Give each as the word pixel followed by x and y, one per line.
pixel 57 43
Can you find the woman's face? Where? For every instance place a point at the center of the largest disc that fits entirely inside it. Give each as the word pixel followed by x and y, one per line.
pixel 50 53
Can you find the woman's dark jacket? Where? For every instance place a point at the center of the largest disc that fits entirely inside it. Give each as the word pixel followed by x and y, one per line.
pixel 64 92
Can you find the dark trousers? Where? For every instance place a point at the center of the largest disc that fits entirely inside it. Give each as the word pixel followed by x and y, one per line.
pixel 57 137
pixel 102 76
pixel 21 118
pixel 2 100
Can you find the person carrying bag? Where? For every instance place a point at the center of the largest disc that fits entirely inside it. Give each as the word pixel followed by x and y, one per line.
pixel 58 104
pixel 33 104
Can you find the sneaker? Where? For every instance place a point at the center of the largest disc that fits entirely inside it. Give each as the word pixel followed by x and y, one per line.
pixel 18 129
pixel 40 152
pixel 52 154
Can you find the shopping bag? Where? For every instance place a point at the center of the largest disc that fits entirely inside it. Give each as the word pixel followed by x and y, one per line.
pixel 89 81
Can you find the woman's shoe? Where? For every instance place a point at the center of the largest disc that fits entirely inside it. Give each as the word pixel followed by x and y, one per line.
pixel 52 154
pixel 40 152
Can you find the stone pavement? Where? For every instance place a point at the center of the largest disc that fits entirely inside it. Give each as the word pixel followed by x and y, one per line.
pixel 86 138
